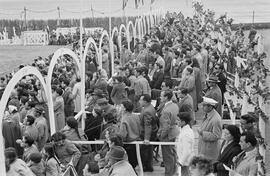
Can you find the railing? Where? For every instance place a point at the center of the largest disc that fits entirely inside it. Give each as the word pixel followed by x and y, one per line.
pixel 137 143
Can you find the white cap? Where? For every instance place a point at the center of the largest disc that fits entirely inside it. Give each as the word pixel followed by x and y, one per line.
pixel 209 101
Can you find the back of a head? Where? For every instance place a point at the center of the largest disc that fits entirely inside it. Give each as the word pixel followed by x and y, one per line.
pixel 35 157
pixel 202 163
pixel 250 138
pixel 10 154
pixel 72 122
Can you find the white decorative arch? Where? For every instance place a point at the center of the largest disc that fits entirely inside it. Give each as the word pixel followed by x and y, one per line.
pixel 87 45
pixel 104 33
pixel 130 24
pixel 137 31
pixel 143 25
pixel 53 62
pixel 28 70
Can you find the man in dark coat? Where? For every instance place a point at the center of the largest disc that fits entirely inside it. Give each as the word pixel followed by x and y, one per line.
pixel 149 130
pixel 214 92
pixel 186 103
pixel 219 72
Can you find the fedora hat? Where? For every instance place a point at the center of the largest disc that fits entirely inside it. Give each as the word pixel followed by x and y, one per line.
pixel 117 153
pixel 102 101
pixel 212 79
pixel 209 101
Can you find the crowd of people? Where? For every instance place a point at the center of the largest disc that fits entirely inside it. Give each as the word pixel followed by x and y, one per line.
pixel 176 70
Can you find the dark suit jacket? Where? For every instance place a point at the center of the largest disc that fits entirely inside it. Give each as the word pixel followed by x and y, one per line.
pixel 149 123
pixel 215 93
pixel 186 105
pixel 225 157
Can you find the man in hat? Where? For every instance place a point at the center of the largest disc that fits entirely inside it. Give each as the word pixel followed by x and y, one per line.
pixel 219 72
pixel 68 98
pixel 214 92
pixel 42 126
pixel 119 166
pixel 210 130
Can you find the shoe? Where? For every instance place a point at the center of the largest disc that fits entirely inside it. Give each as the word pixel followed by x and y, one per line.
pixel 148 169
pixel 162 164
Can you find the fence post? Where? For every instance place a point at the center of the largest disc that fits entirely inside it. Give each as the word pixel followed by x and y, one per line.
pixel 139 159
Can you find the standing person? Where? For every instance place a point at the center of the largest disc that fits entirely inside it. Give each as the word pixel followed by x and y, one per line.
pixel 158 77
pixel 58 107
pixel 68 98
pixel 186 103
pixel 29 128
pixel 119 93
pixel 186 140
pixel 130 131
pixel 76 93
pixel 141 86
pixel 219 72
pixel 149 129
pixel 188 82
pixel 210 130
pixel 245 163
pixel 42 126
pixel 168 131
pixel 155 51
pixel 105 60
pixel 229 149
pixel 214 92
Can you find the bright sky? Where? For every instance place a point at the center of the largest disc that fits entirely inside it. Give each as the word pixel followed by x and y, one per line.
pixel 240 10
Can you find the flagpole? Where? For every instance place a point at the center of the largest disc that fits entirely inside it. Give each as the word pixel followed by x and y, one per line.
pixel 110 18
pixel 82 68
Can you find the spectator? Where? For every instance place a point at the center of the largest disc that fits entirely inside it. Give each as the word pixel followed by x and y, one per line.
pixel 168 131
pixel 36 164
pixel 42 126
pixel 214 92
pixel 119 166
pixel 29 128
pixel 59 112
pixel 118 94
pixel 210 130
pixel 130 131
pixel 65 150
pixel 229 149
pixel 149 127
pixel 200 166
pixel 14 165
pixel 52 163
pixel 186 140
pixel 245 163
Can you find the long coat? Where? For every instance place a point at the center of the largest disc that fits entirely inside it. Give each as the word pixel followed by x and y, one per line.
pixel 198 84
pixel 211 128
pixel 59 114
pixel 188 82
pixel 225 157
pixel 68 101
pixel 119 93
pixel 215 93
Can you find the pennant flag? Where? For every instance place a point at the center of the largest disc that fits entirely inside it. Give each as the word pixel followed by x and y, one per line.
pixel 124 4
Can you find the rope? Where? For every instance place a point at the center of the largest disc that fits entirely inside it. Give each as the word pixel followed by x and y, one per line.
pixel 41 11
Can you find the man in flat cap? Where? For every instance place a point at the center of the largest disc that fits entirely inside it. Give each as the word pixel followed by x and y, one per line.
pixel 210 130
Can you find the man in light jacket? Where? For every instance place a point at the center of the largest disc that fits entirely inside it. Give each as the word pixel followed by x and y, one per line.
pixel 168 131
pixel 185 146
pixel 210 130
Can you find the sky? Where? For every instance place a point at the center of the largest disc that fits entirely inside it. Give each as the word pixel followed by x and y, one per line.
pixel 240 10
